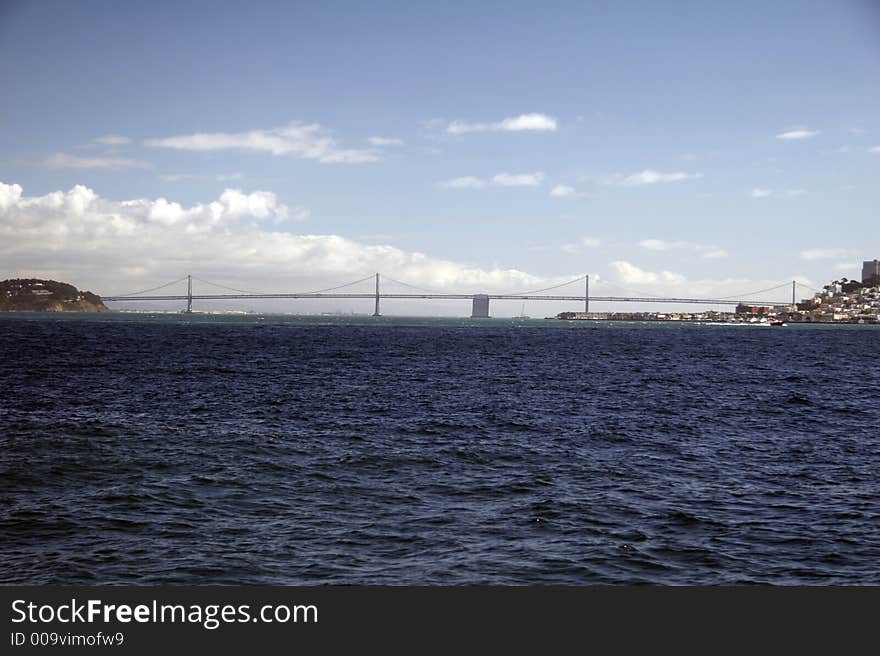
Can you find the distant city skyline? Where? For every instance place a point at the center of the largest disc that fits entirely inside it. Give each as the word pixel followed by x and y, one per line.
pixel 698 149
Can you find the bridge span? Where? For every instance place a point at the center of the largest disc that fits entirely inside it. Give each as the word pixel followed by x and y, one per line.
pixel 479 302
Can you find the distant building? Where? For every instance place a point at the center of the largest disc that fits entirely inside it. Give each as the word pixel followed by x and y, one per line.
pixel 870 270
pixel 753 309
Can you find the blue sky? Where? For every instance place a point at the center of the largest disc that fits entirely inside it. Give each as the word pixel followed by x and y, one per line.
pixel 699 147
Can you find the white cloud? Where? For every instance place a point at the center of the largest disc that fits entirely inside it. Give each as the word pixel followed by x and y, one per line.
pixel 848 266
pixel 875 149
pixel 757 192
pixel 648 177
pixel 466 182
pixel 562 190
pixel 660 245
pixel 298 214
pixel 540 122
pixel 308 141
pixel 219 177
pixel 523 122
pixel 65 161
pixel 704 251
pixel 857 132
pixel 385 141
pixel 578 246
pixel 112 140
pixel 634 281
pixel 382 237
pixel 631 274
pixel 110 246
pixel 499 180
pixel 823 253
pixel 432 123
pixel 518 179
pixel 10 195
pixel 797 134
pixel 795 192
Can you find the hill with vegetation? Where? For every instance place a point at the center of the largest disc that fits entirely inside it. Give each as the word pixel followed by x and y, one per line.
pixel 35 295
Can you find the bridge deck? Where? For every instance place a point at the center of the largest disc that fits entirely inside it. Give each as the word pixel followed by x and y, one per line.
pixel 512 297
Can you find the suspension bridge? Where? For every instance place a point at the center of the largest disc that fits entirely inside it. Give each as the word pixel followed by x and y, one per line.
pixel 479 301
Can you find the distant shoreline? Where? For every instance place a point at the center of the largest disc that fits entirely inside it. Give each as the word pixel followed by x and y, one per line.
pixel 723 323
pixel 390 320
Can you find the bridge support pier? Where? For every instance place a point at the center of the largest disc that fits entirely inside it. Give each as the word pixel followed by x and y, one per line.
pixel 480 307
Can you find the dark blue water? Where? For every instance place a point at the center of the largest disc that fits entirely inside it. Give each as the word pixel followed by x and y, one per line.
pixel 161 450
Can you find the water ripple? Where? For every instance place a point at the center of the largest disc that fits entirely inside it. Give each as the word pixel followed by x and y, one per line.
pixel 155 450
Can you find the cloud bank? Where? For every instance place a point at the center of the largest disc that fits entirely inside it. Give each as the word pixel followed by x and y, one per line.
pixel 114 246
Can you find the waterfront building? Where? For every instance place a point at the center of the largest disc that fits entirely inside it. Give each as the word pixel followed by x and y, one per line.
pixel 759 310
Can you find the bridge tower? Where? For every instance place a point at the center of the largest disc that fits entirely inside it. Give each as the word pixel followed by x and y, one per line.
pixel 587 295
pixel 189 294
pixel 793 292
pixel 376 312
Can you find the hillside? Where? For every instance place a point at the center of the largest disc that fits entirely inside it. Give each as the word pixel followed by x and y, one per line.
pixel 34 295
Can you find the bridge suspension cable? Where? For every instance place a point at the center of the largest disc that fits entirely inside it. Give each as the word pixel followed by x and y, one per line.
pixel 760 291
pixel 153 289
pixel 629 291
pixel 348 284
pixel 406 284
pixel 248 291
pixel 231 289
pixel 546 289
pixel 751 294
